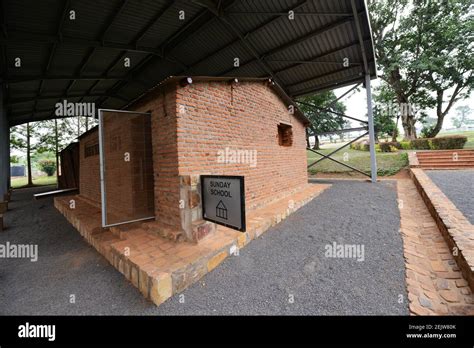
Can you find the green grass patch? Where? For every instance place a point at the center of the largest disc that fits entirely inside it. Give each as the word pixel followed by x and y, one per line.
pixel 388 163
pixel 39 181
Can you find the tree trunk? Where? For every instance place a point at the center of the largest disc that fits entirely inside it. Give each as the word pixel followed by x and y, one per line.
pixel 408 123
pixel 28 155
pixel 439 124
pixel 316 143
pixel 395 130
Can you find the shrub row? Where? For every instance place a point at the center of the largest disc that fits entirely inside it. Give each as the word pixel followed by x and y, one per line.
pixel 439 143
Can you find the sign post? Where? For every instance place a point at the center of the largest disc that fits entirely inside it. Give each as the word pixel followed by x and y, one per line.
pixel 223 200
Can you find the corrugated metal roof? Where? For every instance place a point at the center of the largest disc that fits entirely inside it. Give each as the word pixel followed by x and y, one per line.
pixel 62 58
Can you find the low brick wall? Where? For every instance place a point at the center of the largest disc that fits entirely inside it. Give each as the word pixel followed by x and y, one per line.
pixel 456 229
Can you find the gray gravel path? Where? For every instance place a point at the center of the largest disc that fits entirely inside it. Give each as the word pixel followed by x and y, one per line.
pixel 458 185
pixel 286 263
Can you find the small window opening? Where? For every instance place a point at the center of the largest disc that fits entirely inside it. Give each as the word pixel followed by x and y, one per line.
pixel 91 149
pixel 285 134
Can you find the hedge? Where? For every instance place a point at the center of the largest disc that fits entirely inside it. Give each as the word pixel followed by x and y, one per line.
pixel 405 145
pixel 439 143
pixel 420 144
pixel 448 143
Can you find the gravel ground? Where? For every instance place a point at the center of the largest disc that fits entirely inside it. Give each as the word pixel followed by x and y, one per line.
pixel 458 185
pixel 283 272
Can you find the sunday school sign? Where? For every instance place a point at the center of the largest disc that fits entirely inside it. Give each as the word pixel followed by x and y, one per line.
pixel 223 200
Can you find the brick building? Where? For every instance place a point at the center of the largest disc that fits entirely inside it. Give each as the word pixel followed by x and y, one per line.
pixel 217 126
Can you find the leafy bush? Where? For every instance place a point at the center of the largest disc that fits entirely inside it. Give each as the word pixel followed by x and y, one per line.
pixel 362 145
pixel 405 145
pixel 47 166
pixel 390 146
pixel 448 142
pixel 385 147
pixel 426 131
pixel 420 144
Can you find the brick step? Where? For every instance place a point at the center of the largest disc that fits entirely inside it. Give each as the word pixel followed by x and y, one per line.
pixel 444 160
pixel 459 155
pixel 444 151
pixel 446 166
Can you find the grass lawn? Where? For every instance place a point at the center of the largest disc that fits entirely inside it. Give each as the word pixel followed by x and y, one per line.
pixel 39 181
pixel 387 163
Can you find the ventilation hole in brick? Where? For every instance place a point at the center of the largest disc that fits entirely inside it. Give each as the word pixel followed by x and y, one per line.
pixel 285 134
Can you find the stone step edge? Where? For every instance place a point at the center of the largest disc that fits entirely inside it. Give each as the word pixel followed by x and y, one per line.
pixel 447 227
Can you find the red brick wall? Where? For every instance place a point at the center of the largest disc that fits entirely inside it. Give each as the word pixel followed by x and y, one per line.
pixel 243 116
pixel 162 105
pixel 191 124
pixel 89 177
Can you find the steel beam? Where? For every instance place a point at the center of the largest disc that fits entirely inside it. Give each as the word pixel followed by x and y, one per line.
pixel 339 131
pixel 28 78
pixel 359 35
pixel 15 121
pixel 331 104
pixel 284 47
pixel 327 86
pixel 338 149
pixel 28 37
pixel 339 162
pixel 309 14
pixel 16 101
pixel 152 22
pixel 4 146
pixel 370 115
pixel 332 112
pixel 247 34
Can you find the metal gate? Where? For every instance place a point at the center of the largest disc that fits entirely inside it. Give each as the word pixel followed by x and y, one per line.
pixel 126 167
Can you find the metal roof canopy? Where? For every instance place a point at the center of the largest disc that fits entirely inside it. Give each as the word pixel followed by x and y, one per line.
pixel 82 60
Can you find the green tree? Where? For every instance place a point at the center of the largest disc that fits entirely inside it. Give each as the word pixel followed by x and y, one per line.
pixel 59 133
pixel 424 50
pixel 462 116
pixel 321 120
pixel 47 166
pixel 24 138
